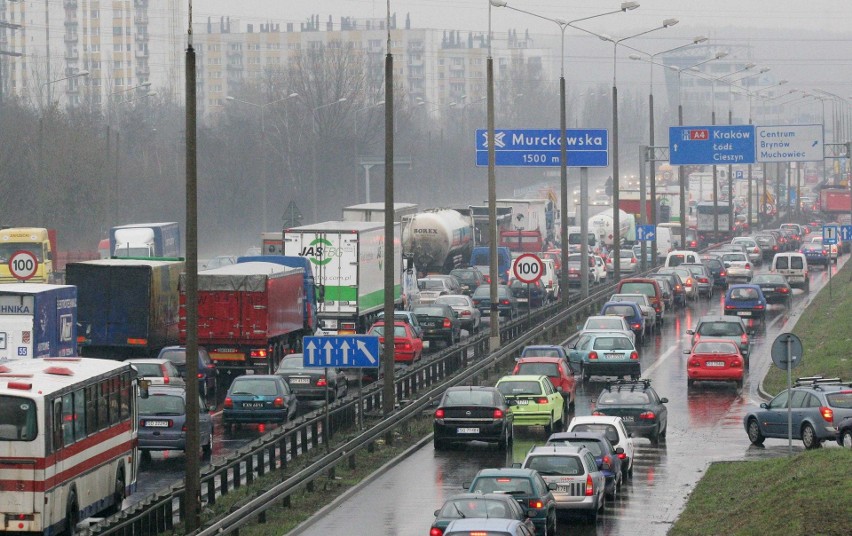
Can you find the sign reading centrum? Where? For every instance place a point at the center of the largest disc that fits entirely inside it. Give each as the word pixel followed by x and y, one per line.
pixel 789 143
pixel 711 145
pixel 541 148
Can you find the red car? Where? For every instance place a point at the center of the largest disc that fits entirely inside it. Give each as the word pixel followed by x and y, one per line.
pixel 717 360
pixel 557 370
pixel 407 346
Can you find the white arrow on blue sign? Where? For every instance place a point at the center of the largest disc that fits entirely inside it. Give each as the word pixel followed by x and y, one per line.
pixel 829 235
pixel 351 351
pixel 646 232
pixel 846 232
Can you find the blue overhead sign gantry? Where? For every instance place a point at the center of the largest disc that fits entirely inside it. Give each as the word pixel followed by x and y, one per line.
pixel 711 145
pixel 542 148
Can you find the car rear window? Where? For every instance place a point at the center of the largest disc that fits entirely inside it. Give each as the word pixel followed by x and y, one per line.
pixel 604 323
pixel 538 369
pixel 468 398
pixel 502 484
pixel 254 386
pixel 720 329
pixel 796 263
pixel 515 388
pixel 620 310
pixel 608 430
pixel 675 260
pixel 594 447
pixel 715 348
pixel 149 370
pixel 781 263
pixel 162 405
pixel 428 311
pixel 841 399
pixel 648 289
pixel 624 397
pixel 556 465
pixel 541 352
pixel 744 294
pixel 462 508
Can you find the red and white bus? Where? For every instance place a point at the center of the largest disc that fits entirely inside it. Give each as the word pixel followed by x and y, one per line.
pixel 67 441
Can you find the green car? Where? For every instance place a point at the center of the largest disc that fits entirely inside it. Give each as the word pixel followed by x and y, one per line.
pixel 533 401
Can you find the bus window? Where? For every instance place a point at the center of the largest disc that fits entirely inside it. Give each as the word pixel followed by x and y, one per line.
pixel 114 400
pixel 79 415
pixel 17 419
pixel 91 409
pixel 56 424
pixel 125 396
pixel 103 405
pixel 67 420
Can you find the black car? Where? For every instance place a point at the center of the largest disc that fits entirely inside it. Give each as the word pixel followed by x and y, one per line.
pixel 643 412
pixel 469 279
pixel 676 282
pixel 473 413
pixel 716 267
pixel 768 245
pixel 310 383
pixel 438 321
pixel 206 367
pixel 775 288
pixel 528 295
pixel 606 456
pixel 479 505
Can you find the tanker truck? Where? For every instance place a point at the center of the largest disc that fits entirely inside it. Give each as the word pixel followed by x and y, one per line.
pixel 602 227
pixel 439 240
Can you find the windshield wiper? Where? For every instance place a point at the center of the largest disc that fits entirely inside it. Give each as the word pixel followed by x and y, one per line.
pixel 459 512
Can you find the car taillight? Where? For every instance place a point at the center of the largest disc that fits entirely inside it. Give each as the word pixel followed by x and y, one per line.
pixel 498 414
pixel 636 326
pixel 322 382
pixel 278 402
pixel 783 290
pixel 476 302
pixel 229 403
pixel 407 347
pixel 435 531
pixel 536 503
pixel 693 244
pixel 593 355
pixel 774 248
pixel 634 355
pixel 606 462
pixel 633 260
pixel 597 413
pixel 465 313
pixel 758 306
pixel 648 415
pixel 703 280
pixel 439 413
pixel 590 486
pixel 166 380
pixel 827 413
pixel 723 273
pixel 199 375
pixel 622 456
pixel 756 250
pixel 447 323
pixel 729 307
pixel 824 252
pixel 736 363
pixel 695 363
pixel 504 302
pixel 488 279
pixel 542 401
pixel 744 338
pixel 678 287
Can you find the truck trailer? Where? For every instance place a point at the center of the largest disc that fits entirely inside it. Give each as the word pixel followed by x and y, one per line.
pixel 126 307
pixel 37 320
pixel 146 240
pixel 348 260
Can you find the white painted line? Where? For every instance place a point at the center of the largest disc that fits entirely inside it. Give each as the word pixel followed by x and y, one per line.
pixel 658 362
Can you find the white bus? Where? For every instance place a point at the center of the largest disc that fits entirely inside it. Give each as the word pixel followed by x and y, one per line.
pixel 68 449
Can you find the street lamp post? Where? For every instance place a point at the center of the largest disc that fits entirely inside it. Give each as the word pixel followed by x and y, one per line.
pixel 563 158
pixel 50 82
pixel 264 167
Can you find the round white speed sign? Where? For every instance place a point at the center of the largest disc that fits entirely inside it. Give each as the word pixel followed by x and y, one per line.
pixel 23 264
pixel 528 268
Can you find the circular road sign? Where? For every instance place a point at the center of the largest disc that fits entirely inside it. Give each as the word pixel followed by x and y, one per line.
pixel 23 264
pixel 779 351
pixel 528 268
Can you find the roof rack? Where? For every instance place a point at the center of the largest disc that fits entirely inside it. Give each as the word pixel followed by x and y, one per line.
pixel 817 380
pixel 645 382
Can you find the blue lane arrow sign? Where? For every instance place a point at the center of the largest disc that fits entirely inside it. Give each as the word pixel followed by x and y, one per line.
pixel 846 232
pixel 829 235
pixel 646 232
pixel 352 351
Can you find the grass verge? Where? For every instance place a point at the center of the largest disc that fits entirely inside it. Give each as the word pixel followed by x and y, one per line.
pixel 825 333
pixel 809 494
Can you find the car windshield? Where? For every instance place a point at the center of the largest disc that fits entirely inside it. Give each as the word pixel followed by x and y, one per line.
pixel 626 254
pixel 744 294
pixel 624 397
pixel 254 386
pixel 515 388
pixel 734 257
pixel 430 284
pixel 541 352
pixel 474 507
pixel 720 347
pixel 612 343
pixel 292 362
pixel 594 446
pixel 502 484
pixel 468 397
pixel 721 329
pixel 162 404
pixel 538 369
pixel 556 465
pixel 605 323
pixel 608 430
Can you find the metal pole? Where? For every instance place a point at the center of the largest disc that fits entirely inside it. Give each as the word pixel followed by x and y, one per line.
pixel 388 402
pixel 653 173
pixel 789 342
pixel 494 318
pixel 730 179
pixel 642 210
pixel 616 181
pixel 326 432
pixel 563 186
pixel 584 233
pixel 715 179
pixel 680 176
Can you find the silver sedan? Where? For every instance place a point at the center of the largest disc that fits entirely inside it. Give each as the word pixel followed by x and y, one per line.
pixel 469 315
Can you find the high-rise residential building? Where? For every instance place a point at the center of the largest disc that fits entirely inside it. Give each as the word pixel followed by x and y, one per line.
pixel 46 47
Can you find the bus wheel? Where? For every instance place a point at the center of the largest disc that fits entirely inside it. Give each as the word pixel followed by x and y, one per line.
pixel 118 494
pixel 72 514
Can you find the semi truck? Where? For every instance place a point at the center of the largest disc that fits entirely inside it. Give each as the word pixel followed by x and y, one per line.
pixel 146 240
pixel 438 240
pixel 533 222
pixel 40 243
pixel 250 315
pixel 375 212
pixel 602 227
pixel 126 307
pixel 834 201
pixel 309 286
pixel 37 320
pixel 348 260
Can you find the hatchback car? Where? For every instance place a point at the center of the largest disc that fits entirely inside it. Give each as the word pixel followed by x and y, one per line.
pixel 702 277
pixel 491 526
pixel 528 295
pixel 469 279
pixel 775 288
pixel 556 368
pixel 162 420
pixel 690 289
pixel 817 405
pixel 641 409
pixel 614 430
pixel 745 301
pixel 206 368
pixel 606 456
pixel 439 322
pixel 580 484
pixel 816 253
pixel 407 344
pixel 526 486
pixel 311 383
pixel 534 401
pixel 258 399
pixel 650 288
pixel 608 324
pixel 678 293
pixel 434 286
pixel 473 413
pixel 715 360
pixel 157 371
pixel 479 506
pixel 468 314
pixel 605 354
pixel 631 313
pixel 405 316
pixel 752 249
pixel 768 245
pixel 731 328
pixel 738 267
pixel 507 304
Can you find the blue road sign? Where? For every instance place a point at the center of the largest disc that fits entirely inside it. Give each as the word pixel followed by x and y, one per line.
pixel 711 145
pixel 541 148
pixel 646 232
pixel 829 234
pixel 846 232
pixel 350 351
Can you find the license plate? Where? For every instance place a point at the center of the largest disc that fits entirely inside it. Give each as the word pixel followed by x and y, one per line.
pixel 468 430
pixel 744 313
pixel 157 424
pixel 627 418
pixel 300 380
pixel 613 356
pixel 563 489
pixel 252 404
pixel 715 363
pixel 522 300
pixel 523 402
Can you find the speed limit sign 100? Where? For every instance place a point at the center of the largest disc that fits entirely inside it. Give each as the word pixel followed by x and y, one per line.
pixel 23 265
pixel 528 268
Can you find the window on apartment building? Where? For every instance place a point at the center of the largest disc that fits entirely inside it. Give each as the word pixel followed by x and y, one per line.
pixel 127 31
pixel 96 31
pixel 118 81
pixel 96 48
pixel 116 30
pixel 94 14
pixel 116 47
pixel 128 47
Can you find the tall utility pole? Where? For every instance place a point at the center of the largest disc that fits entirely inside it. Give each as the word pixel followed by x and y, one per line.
pixel 388 391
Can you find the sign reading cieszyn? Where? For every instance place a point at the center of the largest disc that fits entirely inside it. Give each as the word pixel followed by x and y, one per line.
pixel 542 148
pixel 711 145
pixel 789 143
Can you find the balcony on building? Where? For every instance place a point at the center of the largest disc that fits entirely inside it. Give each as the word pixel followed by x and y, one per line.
pixel 141 37
pixel 71 38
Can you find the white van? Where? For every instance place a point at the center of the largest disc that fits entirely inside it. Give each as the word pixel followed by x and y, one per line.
pixel 664 241
pixel 794 267
pixel 678 257
pixel 550 279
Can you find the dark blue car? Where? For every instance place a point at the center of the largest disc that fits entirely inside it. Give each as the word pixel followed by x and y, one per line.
pixel 631 312
pixel 745 301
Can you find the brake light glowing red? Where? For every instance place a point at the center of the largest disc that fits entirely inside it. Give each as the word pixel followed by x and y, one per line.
pixel 695 363
pixel 783 290
pixel 736 363
pixel 435 531
pixel 447 323
pixel 648 415
pixel 590 486
pixel 606 461
pixel 536 503
pixel 278 402
pixel 744 338
pixel 542 401
pixel 758 306
pixel 827 413
pixel 439 413
pixel 322 382
pixel 498 414
pixel 723 273
pixel 504 302
pixel 622 456
pixel 729 307
pixel 597 413
pixel 634 355
pixel 593 355
pixel 229 403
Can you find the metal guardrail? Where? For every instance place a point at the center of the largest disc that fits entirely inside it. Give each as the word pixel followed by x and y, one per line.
pixel 275 451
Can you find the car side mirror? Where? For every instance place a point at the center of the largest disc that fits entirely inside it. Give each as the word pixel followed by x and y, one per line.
pixel 435 513
pixel 687 352
pixel 764 405
pixel 551 486
pixel 664 400
pixel 690 332
pixel 516 465
pixel 619 450
pixel 466 485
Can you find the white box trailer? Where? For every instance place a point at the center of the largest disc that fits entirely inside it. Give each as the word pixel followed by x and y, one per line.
pixel 375 212
pixel 348 261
